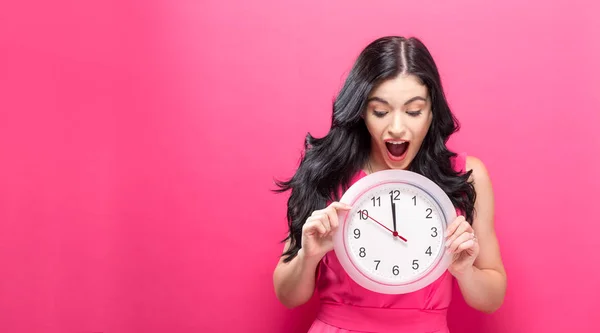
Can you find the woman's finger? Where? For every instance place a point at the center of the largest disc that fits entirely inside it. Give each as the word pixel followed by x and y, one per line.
pixel 464 237
pixel 462 228
pixel 454 225
pixel 333 218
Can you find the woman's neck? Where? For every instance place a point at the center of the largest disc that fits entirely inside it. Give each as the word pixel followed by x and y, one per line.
pixel 374 163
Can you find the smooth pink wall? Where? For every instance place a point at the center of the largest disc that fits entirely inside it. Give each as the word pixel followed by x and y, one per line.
pixel 135 189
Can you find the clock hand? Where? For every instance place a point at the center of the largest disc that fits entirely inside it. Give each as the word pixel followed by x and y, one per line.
pixel 395 233
pixel 394 216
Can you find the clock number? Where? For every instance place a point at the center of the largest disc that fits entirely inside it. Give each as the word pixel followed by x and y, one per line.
pixel 415 200
pixel 363 252
pixel 356 233
pixel 428 251
pixel 434 229
pixel 363 214
pixel 415 264
pixel 428 215
pixel 395 270
pixel 378 199
pixel 394 194
pixel 377 261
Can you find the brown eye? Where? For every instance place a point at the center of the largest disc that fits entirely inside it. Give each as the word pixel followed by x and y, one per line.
pixel 414 113
pixel 379 114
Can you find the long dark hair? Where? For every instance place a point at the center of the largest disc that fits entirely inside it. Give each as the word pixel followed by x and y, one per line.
pixel 328 163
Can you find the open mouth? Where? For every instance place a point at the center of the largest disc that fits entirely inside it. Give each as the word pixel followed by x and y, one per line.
pixel 397 149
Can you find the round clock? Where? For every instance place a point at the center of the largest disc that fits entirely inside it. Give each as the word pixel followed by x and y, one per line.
pixel 392 241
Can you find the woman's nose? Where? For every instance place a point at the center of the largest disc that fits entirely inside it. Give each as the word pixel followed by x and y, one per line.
pixel 397 126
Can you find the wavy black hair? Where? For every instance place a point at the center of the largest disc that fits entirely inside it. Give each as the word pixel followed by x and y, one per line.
pixel 328 163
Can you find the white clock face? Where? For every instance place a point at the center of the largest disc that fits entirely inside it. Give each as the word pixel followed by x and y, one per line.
pixel 397 255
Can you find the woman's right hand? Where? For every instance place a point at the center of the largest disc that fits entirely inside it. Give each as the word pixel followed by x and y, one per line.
pixel 318 230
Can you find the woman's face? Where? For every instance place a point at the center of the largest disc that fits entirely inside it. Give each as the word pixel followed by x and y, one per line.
pixel 398 116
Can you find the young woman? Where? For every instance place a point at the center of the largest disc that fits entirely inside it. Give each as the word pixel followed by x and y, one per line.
pixel 390 114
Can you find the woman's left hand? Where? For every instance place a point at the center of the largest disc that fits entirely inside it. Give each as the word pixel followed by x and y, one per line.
pixel 462 243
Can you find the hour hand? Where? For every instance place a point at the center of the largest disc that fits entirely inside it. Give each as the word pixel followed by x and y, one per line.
pixel 394 214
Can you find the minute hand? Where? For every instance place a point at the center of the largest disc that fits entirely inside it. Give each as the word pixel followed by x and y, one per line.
pixel 394 215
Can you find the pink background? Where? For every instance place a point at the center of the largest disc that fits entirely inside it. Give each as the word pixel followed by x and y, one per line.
pixel 135 190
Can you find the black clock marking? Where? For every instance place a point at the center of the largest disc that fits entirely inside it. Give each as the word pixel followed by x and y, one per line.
pixel 376 201
pixel 364 214
pixel 415 264
pixel 435 233
pixel 429 214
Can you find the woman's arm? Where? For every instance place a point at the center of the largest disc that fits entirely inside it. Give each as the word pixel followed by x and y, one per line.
pixel 294 281
pixel 483 284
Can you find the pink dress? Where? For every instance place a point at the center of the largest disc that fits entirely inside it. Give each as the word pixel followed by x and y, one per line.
pixel 347 307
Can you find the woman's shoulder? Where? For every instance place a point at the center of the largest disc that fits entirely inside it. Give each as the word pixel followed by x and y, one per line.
pixel 464 163
pixel 481 180
pixel 479 171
